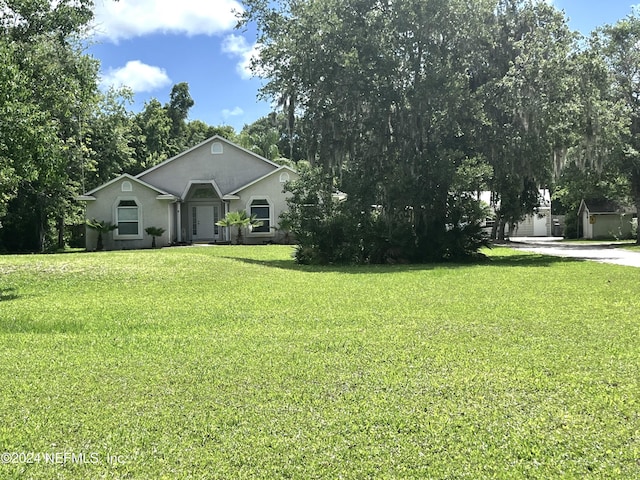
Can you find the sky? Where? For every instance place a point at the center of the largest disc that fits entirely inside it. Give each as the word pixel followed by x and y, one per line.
pixel 150 45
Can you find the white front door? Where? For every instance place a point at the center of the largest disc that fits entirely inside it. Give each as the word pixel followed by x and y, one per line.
pixel 203 221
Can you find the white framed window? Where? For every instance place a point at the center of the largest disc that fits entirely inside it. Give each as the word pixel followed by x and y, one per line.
pixel 284 177
pixel 262 209
pixel 128 218
pixel 126 186
pixel 216 148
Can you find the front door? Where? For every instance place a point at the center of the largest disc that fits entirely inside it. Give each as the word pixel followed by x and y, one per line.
pixel 203 222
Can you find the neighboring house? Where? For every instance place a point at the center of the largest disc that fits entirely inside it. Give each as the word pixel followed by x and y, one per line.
pixel 187 194
pixel 605 219
pixel 539 224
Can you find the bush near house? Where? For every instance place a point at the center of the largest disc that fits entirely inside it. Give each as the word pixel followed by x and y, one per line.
pixel 239 220
pixel 102 227
pixel 154 232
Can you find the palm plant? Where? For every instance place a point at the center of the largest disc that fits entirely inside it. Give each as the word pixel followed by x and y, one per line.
pixel 101 227
pixel 240 220
pixel 154 232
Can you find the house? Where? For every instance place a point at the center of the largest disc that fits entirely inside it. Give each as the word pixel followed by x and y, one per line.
pixel 605 219
pixel 187 194
pixel 538 224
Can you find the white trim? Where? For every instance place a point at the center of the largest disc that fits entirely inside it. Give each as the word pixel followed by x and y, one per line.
pixel 171 198
pixel 179 221
pixel 215 150
pixel 170 221
pixel 116 234
pixel 270 233
pixel 226 230
pixel 127 176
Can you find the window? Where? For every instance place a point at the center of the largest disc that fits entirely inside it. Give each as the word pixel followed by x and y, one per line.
pixel 128 218
pixel 216 148
pixel 262 210
pixel 126 186
pixel 203 193
pixel 194 213
pixel 284 177
pixel 216 219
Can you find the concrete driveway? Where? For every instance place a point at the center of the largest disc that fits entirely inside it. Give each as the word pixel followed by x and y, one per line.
pixel 605 252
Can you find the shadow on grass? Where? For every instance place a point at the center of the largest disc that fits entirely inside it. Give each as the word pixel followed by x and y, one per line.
pixel 8 294
pixel 513 260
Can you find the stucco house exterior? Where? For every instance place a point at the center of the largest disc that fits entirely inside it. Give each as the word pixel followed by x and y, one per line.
pixel 187 194
pixel 601 219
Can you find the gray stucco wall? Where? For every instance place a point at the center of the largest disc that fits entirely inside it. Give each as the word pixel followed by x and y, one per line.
pixel 152 213
pixel 231 169
pixel 271 189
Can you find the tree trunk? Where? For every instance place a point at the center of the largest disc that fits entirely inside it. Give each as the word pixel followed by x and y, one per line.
pixel 635 192
pixel 494 229
pixel 60 228
pixel 501 228
pixel 41 229
pixel 637 202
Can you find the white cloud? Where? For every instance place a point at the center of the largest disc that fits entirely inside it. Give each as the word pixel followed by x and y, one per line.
pixel 136 75
pixel 134 18
pixel 237 46
pixel 226 113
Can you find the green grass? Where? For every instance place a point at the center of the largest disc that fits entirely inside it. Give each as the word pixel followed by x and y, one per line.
pixel 233 362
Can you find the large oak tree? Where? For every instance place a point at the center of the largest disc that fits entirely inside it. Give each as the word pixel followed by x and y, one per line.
pixel 405 105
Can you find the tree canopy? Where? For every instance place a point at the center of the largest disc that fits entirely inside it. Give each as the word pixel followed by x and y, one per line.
pixel 404 111
pixel 412 107
pixel 619 46
pixel 48 88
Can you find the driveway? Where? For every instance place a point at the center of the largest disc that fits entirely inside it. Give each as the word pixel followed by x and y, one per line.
pixel 605 252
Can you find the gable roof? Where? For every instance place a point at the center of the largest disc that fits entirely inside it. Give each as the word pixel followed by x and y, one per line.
pixel 128 177
pixel 191 183
pixel 595 206
pixel 215 138
pixel 257 180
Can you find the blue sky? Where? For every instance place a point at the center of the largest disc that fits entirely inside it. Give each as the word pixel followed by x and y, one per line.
pixel 150 45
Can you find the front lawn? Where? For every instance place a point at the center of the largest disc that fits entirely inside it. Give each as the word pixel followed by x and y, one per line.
pixel 233 362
